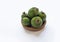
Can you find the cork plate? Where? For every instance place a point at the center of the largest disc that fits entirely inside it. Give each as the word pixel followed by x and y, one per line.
pixel 34 29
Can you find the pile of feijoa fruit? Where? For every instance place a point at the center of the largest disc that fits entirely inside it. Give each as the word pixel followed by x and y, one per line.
pixel 34 18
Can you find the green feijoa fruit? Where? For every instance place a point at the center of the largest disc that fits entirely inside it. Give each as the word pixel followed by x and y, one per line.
pixel 36 22
pixel 33 12
pixel 26 21
pixel 42 15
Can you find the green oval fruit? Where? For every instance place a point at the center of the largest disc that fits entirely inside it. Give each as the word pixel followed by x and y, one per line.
pixel 42 15
pixel 33 12
pixel 24 15
pixel 26 21
pixel 36 22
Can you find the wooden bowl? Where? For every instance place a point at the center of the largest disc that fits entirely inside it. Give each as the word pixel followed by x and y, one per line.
pixel 34 29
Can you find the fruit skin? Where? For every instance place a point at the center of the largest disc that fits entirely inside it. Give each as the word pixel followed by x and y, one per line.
pixel 36 22
pixel 24 15
pixel 26 21
pixel 42 15
pixel 33 12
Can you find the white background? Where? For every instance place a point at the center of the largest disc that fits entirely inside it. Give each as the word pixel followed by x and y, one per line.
pixel 11 29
